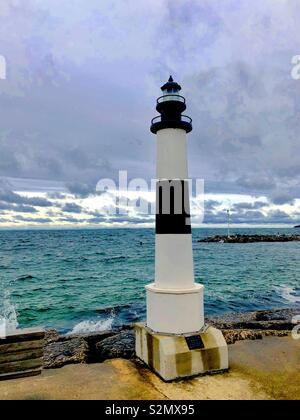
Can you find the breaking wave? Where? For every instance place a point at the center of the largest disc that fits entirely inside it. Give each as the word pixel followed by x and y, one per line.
pixel 289 294
pixel 9 316
pixel 92 326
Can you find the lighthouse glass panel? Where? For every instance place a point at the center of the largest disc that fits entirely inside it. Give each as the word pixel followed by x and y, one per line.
pixel 171 95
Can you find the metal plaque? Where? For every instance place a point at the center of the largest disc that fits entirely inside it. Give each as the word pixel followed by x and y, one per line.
pixel 194 342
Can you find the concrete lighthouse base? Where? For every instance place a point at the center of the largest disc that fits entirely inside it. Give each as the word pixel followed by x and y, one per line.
pixel 164 306
pixel 181 356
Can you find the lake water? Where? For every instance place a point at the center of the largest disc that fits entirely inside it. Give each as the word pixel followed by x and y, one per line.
pixel 85 280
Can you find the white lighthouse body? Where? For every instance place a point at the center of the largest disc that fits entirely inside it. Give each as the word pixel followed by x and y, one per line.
pixel 174 329
pixel 174 300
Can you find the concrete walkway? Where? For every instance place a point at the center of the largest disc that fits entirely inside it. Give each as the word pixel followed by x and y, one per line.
pixel 262 369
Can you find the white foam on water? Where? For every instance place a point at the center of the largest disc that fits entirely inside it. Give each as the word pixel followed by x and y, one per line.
pixel 288 293
pixel 8 318
pixel 92 326
pixel 2 328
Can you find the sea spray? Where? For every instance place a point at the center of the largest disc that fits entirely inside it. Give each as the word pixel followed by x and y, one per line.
pixel 8 314
pixel 89 326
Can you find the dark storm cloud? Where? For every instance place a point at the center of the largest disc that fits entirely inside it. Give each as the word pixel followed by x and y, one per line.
pixel 133 220
pixel 279 216
pixel 256 183
pixel 6 206
pixel 25 209
pixel 211 205
pixel 97 219
pixel 19 208
pixel 70 220
pixel 282 197
pixel 249 206
pixel 130 220
pixel 250 216
pixel 56 196
pixel 80 189
pixel 72 208
pixel 212 217
pixel 84 76
pixel 38 220
pixel 11 197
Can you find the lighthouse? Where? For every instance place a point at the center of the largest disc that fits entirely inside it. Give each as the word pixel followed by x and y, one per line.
pixel 174 300
pixel 174 341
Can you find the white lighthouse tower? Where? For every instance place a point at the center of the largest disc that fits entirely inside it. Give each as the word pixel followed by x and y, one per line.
pixel 174 341
pixel 174 301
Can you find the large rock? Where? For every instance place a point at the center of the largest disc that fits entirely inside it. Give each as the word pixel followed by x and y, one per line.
pixel 121 345
pixel 51 336
pixel 276 315
pixel 231 336
pixel 257 325
pixel 60 353
pixel 280 320
pixel 92 339
pixel 62 350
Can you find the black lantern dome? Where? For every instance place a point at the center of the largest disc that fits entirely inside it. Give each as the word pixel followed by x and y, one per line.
pixel 170 106
pixel 171 86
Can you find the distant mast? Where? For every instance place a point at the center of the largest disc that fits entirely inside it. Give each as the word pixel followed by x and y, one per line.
pixel 228 223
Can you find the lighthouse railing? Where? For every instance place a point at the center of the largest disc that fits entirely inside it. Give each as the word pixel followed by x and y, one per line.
pixel 183 118
pixel 171 97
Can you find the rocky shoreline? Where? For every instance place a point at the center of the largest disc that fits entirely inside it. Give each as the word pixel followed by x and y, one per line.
pixel 61 350
pixel 244 239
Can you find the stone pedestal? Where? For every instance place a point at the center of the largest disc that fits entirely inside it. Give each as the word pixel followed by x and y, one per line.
pixel 181 356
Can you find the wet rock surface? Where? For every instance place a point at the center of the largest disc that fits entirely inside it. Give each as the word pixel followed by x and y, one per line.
pixel 121 345
pixel 243 239
pixel 255 325
pixel 231 336
pixel 61 353
pixel 277 318
pixel 61 350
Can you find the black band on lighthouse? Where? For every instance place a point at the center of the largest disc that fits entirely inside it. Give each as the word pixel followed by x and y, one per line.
pixel 172 207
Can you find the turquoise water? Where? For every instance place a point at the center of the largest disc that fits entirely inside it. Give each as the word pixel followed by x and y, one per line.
pixel 93 279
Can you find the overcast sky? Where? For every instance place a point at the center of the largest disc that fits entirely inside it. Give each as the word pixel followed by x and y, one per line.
pixel 81 82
